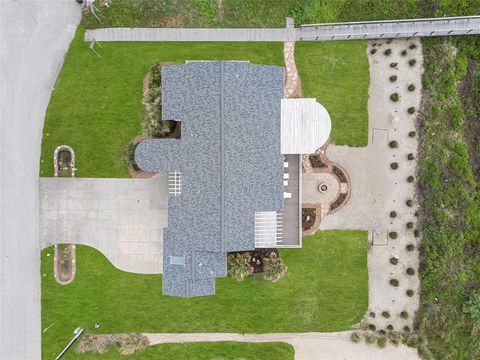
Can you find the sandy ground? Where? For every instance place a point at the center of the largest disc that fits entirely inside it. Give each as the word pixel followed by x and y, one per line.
pixel 377 190
pixel 308 346
pixel 34 39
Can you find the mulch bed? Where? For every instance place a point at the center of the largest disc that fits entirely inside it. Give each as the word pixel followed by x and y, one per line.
pixel 308 218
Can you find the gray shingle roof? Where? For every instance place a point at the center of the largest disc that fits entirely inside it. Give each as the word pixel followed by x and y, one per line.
pixel 230 161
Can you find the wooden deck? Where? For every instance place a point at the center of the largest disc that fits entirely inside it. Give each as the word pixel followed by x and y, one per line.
pixel 291 213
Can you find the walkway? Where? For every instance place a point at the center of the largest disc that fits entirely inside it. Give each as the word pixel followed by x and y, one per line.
pixel 34 39
pixel 122 218
pixel 462 25
pixel 308 346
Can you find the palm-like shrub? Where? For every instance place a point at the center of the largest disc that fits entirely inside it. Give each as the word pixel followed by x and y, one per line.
pixel 239 267
pixel 274 269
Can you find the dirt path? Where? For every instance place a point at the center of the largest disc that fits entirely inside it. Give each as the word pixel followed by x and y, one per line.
pixel 308 346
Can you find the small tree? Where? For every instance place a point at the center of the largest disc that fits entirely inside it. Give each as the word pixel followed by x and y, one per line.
pixel 239 267
pixel 274 269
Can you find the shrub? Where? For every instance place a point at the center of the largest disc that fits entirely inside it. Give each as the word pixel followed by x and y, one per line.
pixel 239 267
pixel 370 339
pixel 387 52
pixel 394 166
pixel 410 247
pixel 393 260
pixel 372 314
pixel 393 214
pixel 394 282
pixel 356 337
pixel 385 314
pixel 413 46
pixel 126 344
pixel 129 156
pixel 274 268
pixel 390 327
pixel 412 62
pixel 381 342
pixel 410 179
pixel 372 327
pixel 416 233
pixel 406 329
pixel 394 338
pixel 411 87
pixel 393 78
pixel 415 214
pixel 404 53
pixel 411 110
pixel 394 97
pixel 393 65
pixel 410 271
pixel 373 51
pixel 409 202
pixel 409 225
pixel 412 134
pixel 404 314
pixel 382 332
pixel 410 156
pixel 393 144
pixel 472 307
pixel 409 292
pixel 393 235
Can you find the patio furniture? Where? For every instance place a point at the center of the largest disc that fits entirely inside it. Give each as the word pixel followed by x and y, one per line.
pixel 285 176
pixel 285 164
pixel 285 182
pixel 287 195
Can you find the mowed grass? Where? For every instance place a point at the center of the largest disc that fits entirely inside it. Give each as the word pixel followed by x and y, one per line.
pixel 204 351
pixel 326 289
pixel 96 106
pixel 336 74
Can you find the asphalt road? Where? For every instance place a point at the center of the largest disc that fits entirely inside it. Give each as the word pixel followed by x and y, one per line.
pixel 34 38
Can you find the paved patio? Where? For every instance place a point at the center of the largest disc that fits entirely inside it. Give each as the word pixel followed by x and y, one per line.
pixel 122 218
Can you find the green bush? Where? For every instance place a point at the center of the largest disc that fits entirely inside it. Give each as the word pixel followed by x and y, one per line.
pixel 412 46
pixel 373 51
pixel 393 144
pixel 387 52
pixel 239 266
pixel 394 338
pixel 411 110
pixel 390 327
pixel 394 97
pixel 381 332
pixel 393 214
pixel 412 62
pixel 356 337
pixel 410 247
pixel 381 342
pixel 392 235
pixel 393 65
pixel 409 202
pixel 372 327
pixel 410 179
pixel 409 225
pixel 273 268
pixel 410 271
pixel 404 314
pixel 411 87
pixel 416 233
pixel 409 292
pixel 385 314
pixel 370 339
pixel 410 156
pixel 394 166
pixel 393 78
pixel 404 53
pixel 394 282
pixel 393 260
pixel 412 134
pixel 406 329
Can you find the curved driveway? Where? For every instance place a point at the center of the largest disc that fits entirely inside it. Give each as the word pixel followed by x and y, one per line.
pixel 34 38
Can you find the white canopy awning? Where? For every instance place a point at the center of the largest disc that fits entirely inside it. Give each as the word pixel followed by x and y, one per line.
pixel 305 126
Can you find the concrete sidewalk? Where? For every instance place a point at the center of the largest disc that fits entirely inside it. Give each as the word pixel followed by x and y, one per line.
pixel 122 218
pixel 308 346
pixel 34 39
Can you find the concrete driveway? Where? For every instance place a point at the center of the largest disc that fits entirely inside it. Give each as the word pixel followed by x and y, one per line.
pixel 34 38
pixel 122 218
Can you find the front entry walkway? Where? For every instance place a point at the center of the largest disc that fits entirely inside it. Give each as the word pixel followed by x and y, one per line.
pixel 122 218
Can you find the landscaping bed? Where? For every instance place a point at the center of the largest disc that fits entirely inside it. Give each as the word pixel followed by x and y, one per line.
pixel 308 218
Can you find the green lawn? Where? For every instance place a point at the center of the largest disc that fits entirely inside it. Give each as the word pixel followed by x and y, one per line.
pixel 204 351
pixel 326 289
pixel 336 74
pixel 96 106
